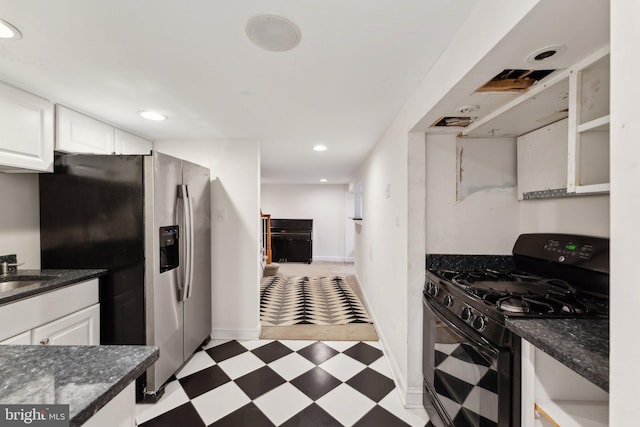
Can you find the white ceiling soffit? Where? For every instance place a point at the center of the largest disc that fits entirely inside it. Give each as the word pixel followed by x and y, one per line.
pixel 356 64
pixel 580 26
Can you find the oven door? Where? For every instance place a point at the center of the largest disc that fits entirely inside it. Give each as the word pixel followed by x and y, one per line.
pixel 468 381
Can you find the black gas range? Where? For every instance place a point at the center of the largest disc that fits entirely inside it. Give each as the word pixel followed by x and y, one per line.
pixel 471 362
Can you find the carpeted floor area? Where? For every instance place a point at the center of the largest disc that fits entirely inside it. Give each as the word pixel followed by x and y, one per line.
pixel 331 288
pixel 309 300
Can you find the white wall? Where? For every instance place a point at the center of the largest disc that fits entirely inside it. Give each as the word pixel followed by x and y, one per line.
pixel 384 267
pixel 625 206
pixel 327 204
pixel 576 215
pixel 485 221
pixel 20 218
pixel 235 229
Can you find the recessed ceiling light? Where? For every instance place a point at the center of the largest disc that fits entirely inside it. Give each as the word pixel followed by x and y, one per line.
pixel 273 32
pixel 320 147
pixel 153 115
pixel 546 54
pixel 8 31
pixel 323 180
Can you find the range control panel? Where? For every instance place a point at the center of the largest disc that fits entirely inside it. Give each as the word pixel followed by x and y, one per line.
pixel 563 250
pixel 586 252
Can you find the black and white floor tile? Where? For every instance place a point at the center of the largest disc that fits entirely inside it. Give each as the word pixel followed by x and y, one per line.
pixel 282 383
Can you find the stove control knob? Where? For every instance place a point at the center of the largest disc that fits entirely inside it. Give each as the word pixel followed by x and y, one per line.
pixel 432 289
pixel 466 314
pixel 479 323
pixel 447 300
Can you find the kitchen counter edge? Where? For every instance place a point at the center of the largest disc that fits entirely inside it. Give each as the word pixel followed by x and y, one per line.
pixel 55 279
pixel 88 377
pixel 580 344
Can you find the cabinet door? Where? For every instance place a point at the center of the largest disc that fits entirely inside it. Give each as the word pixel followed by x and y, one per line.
pixel 26 131
pixel 79 328
pixel 119 412
pixel 127 143
pixel 77 133
pixel 22 339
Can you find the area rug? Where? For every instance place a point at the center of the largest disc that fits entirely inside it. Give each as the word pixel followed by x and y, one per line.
pixel 294 300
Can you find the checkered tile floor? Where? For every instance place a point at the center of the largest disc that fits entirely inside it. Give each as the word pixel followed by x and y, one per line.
pixel 282 383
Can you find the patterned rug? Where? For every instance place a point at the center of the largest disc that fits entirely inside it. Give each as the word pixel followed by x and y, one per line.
pixel 289 300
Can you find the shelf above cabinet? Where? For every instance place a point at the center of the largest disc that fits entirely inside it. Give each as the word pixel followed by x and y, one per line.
pixel 600 124
pixel 583 413
pixel 536 108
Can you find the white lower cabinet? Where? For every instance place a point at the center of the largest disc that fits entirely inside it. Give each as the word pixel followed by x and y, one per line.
pixel 119 412
pixel 554 395
pixel 20 339
pixel 79 328
pixel 67 316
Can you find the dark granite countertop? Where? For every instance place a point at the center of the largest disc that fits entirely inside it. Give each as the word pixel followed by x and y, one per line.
pixel 85 377
pixel 580 344
pixel 468 262
pixel 47 280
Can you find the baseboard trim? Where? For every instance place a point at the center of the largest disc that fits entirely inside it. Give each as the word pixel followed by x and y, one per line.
pixel 411 397
pixel 235 334
pixel 414 398
pixel 333 259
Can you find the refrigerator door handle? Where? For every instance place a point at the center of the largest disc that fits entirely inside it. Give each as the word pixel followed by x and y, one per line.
pixel 191 243
pixel 186 226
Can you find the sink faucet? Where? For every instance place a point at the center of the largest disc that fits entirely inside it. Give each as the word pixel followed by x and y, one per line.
pixel 4 266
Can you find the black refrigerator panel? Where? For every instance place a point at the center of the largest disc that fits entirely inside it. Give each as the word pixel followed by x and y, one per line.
pixel 92 216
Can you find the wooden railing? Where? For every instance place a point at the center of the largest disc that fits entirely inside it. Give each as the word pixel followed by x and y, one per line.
pixel 266 234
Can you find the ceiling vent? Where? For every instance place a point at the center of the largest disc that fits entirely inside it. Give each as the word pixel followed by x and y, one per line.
pixel 514 80
pixel 273 32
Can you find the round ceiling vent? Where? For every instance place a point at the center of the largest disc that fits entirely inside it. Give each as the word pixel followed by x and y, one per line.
pixel 546 54
pixel 273 32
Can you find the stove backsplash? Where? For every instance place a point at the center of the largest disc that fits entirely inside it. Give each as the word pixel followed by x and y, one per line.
pixel 469 262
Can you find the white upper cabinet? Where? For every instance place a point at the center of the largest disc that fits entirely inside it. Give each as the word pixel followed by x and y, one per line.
pixel 127 143
pixel 26 131
pixel 588 151
pixel 77 133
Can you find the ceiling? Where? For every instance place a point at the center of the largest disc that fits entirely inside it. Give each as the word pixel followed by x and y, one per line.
pixel 580 27
pixel 357 63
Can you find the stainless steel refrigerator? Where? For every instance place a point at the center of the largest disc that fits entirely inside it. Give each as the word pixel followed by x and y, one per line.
pixel 147 220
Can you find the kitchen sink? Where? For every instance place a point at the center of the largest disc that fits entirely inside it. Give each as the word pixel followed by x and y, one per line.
pixel 15 282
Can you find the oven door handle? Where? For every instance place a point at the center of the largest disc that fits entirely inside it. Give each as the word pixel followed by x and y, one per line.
pixel 479 340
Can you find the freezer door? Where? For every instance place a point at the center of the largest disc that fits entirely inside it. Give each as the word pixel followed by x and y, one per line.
pixel 197 305
pixel 164 310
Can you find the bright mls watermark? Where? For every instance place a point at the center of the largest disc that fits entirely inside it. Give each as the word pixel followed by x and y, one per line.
pixel 34 415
